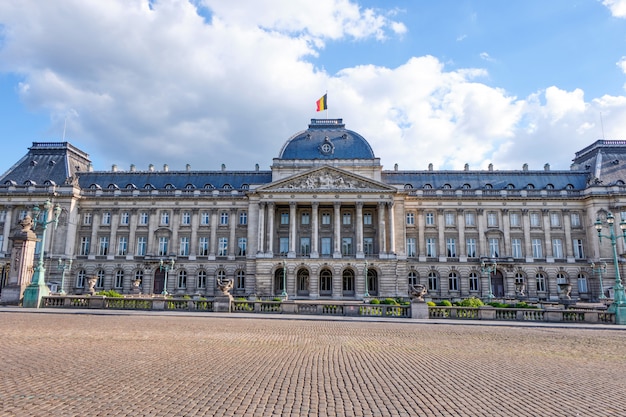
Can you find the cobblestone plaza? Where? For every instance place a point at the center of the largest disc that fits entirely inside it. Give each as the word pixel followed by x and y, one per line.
pixel 176 365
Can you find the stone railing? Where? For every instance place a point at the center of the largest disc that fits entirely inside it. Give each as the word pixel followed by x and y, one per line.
pixel 521 314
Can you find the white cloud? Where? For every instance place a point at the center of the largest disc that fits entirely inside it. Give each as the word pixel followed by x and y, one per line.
pixel 617 7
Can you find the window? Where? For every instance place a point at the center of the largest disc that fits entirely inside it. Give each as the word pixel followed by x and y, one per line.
pixel 535 220
pixel 494 247
pixel 185 218
pixel 514 219
pixel 305 218
pixel 139 276
pixel 224 218
pixel 141 246
pixel 579 253
pixel 470 244
pixel 473 281
pixel 122 246
pixel 555 220
pixel 201 279
pixel 470 219
pixel 582 284
pixel 410 219
pixel 367 218
pixel 431 247
pixel 183 249
pixel 100 281
pixel 516 248
pixel 222 248
pixel 80 278
pixel 124 218
pixel 541 282
pixel 347 218
pixel 205 218
pixel 203 246
pixel 221 275
pixel 537 249
pixel 243 218
pixel 22 215
pixel 410 246
pixel 242 246
pixel 240 280
pixel 1 241
pixel 430 219
pixel 143 218
pixel 119 278
pixel 163 243
pixel 103 246
pixel 413 279
pixel 575 219
pixel 368 245
pixel 451 247
pixel 492 219
pixel 182 279
pixel 284 245
pixel 87 219
pixel 557 248
pixel 106 218
pixel 305 246
pixel 453 282
pixel 450 218
pixel 346 246
pixel 326 218
pixel 561 278
pixel 165 218
pixel 325 246
pixel 84 246
pixel 3 216
pixel 433 281
pixel 284 217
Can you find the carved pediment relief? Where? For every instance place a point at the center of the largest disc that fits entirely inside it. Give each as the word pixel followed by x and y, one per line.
pixel 328 179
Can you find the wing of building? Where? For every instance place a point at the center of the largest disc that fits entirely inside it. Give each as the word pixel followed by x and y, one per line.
pixel 326 222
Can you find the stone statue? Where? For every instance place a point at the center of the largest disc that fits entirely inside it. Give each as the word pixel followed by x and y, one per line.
pixel 26 223
pixel 91 283
pixel 225 286
pixel 417 292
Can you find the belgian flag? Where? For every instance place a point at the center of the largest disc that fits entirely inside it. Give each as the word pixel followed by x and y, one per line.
pixel 322 103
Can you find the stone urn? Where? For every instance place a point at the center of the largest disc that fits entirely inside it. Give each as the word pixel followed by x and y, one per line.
pixel 91 283
pixel 520 289
pixel 417 292
pixel 135 286
pixel 565 290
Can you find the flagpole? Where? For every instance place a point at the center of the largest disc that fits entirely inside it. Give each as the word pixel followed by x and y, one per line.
pixel 326 95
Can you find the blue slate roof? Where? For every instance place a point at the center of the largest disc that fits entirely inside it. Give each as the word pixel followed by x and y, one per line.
pixel 343 143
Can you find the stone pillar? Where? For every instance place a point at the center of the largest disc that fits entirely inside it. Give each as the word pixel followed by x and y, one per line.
pixel 270 226
pixel 382 232
pixel 115 220
pixel 94 244
pixel 460 221
pixel 193 245
pixel 7 229
pixel 392 230
pixel 213 239
pixel 482 249
pixel 232 239
pixel 568 244
pixel 441 237
pixel 359 230
pixel 547 235
pixel 421 238
pixel 315 230
pixel 22 258
pixel 132 245
pixel 293 221
pixel 528 251
pixel 337 231
pixel 261 237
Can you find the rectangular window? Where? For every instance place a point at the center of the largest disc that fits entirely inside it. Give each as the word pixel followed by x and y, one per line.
pixel 582 285
pixel 535 220
pixel 305 246
pixel 325 246
pixel 492 219
pixel 103 246
pixel 165 218
pixel 347 218
pixel 557 248
pixel 122 246
pixel 326 218
pixel 305 218
pixel 470 219
pixel 163 246
pixel 182 279
pixel 124 218
pixel 143 218
pixel 346 246
pixel 3 216
pixel 185 218
pixel 119 279
pixel 84 246
pixel 242 246
pixel 470 244
pixel 431 247
pixel 368 245
pixel 87 219
pixel 367 219
pixel 516 248
pixel 473 282
pixel 284 217
pixel 430 219
pixel 494 247
pixel 205 218
pixel 451 247
pixel 203 246
pixel 410 246
pixel 575 219
pixel 514 218
pixel 222 248
pixel 541 283
pixel 410 219
pixel 433 282
pixel 106 218
pixel 537 249
pixel 1 241
pixel 243 218
pixel 224 218
pixel 284 245
pixel 453 282
pixel 141 246
pixel 579 253
pixel 450 219
pixel 555 220
pixel 183 249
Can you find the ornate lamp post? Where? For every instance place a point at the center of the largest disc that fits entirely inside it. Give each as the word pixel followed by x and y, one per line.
pixel 599 270
pixel 367 293
pixel 62 266
pixel 619 298
pixel 38 288
pixel 284 293
pixel 166 267
pixel 489 268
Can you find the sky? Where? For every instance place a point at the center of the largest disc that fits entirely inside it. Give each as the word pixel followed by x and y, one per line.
pixel 212 82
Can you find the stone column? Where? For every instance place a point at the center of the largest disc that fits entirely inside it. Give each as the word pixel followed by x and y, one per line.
pixel 483 249
pixel 175 225
pixel 506 223
pixel 568 244
pixel 528 251
pixel 421 238
pixel 22 267
pixel 359 230
pixel 545 214
pixel 115 220
pixel 95 225
pixel 337 231
pixel 382 230
pixel 193 245
pixel 261 236
pixel 441 237
pixel 132 228
pixel 315 230
pixel 153 223
pixel 270 221
pixel 232 239
pixel 460 221
pixel 213 237
pixel 293 221
pixel 7 229
pixel 392 229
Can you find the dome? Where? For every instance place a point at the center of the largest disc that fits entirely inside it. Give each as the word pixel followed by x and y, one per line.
pixel 326 139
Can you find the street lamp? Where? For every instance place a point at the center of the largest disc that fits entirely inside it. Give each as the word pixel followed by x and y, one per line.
pixel 284 293
pixel 38 288
pixel 166 267
pixel 62 266
pixel 599 270
pixel 367 294
pixel 619 298
pixel 489 268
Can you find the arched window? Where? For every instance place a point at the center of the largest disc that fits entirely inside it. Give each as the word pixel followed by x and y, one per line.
pixel 303 281
pixel 240 280
pixel 474 282
pixel 119 278
pixel 447 187
pixel 530 187
pixel 182 279
pixel 466 186
pixel 549 187
pixel 80 278
pixel 100 281
pixel 583 288
pixel 413 278
pixel 433 281
pixel 488 187
pixel 408 186
pixel 541 282
pixel 347 284
pixel 202 279
pixel 372 281
pixel 428 187
pixel 453 281
pixel 326 282
pixel 139 276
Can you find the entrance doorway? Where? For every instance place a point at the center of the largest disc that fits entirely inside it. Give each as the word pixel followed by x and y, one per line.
pixel 497 284
pixel 159 281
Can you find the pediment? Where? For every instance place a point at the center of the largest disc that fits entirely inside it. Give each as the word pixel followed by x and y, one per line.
pixel 327 179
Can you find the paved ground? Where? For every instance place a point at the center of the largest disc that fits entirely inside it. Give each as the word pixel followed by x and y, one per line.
pixel 176 365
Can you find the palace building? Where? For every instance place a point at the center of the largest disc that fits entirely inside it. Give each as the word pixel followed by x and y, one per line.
pixel 327 221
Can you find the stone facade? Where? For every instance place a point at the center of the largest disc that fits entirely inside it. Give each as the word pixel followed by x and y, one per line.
pixel 326 216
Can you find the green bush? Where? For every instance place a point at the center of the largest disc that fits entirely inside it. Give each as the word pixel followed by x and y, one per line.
pixel 470 302
pixel 375 301
pixel 389 301
pixel 524 304
pixel 110 293
pixel 430 303
pixel 444 303
pixel 277 299
pixel 498 305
